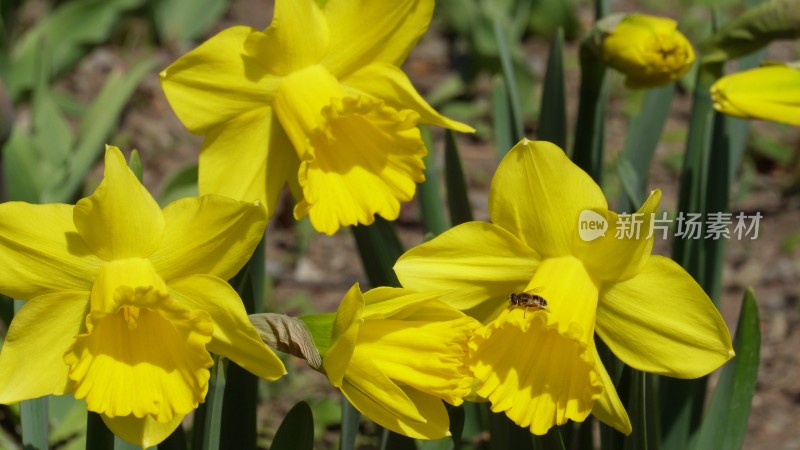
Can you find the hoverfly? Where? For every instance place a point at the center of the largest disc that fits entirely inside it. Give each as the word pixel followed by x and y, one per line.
pixel 528 299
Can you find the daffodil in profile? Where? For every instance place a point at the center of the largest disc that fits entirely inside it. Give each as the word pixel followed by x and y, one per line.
pixel 396 355
pixel 648 50
pixel 316 100
pixel 767 93
pixel 540 365
pixel 126 300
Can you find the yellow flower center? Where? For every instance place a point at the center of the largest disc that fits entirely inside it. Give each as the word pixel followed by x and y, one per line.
pixel 142 354
pixel 538 366
pixel 348 145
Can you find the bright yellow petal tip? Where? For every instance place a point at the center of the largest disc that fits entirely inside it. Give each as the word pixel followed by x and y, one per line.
pixel 767 93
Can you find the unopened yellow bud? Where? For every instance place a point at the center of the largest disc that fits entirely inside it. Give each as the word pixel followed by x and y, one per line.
pixel 649 50
pixel 768 93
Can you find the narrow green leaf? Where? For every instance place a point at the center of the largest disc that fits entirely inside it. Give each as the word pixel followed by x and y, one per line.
pixel 22 176
pixel 180 183
pixel 641 141
pixel 587 147
pixel 97 125
pixel 98 436
pixel 517 120
pixel 238 425
pixel 553 112
pixel 457 191
pixel 630 184
pixel 296 431
pixel 350 420
pixel 33 415
pixel 379 248
pixel 725 421
pixel 505 434
pixel 208 417
pixel 430 198
pixel 135 163
pixel 501 118
pixel 63 34
pixel 185 20
pixel 550 441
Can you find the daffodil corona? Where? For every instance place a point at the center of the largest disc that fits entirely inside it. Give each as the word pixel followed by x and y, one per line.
pixel 316 100
pixel 125 301
pixel 541 366
pixel 396 354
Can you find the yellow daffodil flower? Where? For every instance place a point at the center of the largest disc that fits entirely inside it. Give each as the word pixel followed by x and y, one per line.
pixel 768 93
pixel 648 50
pixel 316 100
pixel 396 354
pixel 539 364
pixel 125 301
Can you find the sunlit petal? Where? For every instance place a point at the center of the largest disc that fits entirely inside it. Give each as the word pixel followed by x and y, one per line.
pixel 661 321
pixel 538 194
pixel 255 148
pixel 349 318
pixel 234 336
pixel 44 327
pixel 482 258
pixel 608 407
pixel 145 432
pixel 365 31
pixel 211 235
pixel 42 251
pixel 120 219
pixel 388 83
pixel 626 245
pixel 217 81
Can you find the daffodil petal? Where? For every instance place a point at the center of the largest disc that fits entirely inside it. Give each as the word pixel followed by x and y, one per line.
pixel 234 336
pixel 146 358
pixel 365 384
pixel 398 344
pixel 120 219
pixel 145 432
pixel 43 328
pixel 388 83
pixel 348 321
pixel 661 321
pixel 296 38
pixel 364 31
pixel 42 251
pixel 211 235
pixel 405 304
pixel 608 408
pixel 485 260
pixel 625 248
pixel 769 93
pixel 255 148
pixel 538 194
pixel 217 81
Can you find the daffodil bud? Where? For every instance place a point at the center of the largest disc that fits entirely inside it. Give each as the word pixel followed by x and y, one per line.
pixel 648 50
pixel 768 93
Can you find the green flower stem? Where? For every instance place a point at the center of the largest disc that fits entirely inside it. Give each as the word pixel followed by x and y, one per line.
pixel 238 424
pixel 587 150
pixel 33 415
